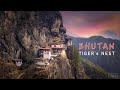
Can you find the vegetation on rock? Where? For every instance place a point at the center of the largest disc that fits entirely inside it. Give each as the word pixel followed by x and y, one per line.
pixel 80 65
pixel 8 71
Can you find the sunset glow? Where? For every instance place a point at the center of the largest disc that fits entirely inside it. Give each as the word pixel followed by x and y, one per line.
pixel 92 23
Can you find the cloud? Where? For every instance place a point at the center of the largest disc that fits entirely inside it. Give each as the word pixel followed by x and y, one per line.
pixel 90 23
pixel 111 34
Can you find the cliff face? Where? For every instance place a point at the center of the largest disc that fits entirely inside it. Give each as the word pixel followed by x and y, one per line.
pixel 59 68
pixel 23 33
pixel 26 31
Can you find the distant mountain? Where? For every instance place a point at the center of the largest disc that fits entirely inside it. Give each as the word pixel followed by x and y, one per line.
pixel 109 63
pixel 23 34
pixel 94 71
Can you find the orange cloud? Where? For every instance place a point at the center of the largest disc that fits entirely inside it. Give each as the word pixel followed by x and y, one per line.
pixel 97 28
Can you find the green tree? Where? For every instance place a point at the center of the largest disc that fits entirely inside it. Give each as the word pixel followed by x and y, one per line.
pixel 73 55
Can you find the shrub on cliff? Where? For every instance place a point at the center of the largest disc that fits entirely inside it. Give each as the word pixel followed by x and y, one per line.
pixel 27 56
pixel 8 71
pixel 90 70
pixel 34 73
pixel 73 55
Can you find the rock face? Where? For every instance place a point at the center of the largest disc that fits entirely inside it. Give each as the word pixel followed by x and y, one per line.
pixel 59 68
pixel 23 33
pixel 22 30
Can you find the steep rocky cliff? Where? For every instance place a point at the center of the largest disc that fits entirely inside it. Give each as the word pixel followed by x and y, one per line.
pixel 22 33
pixel 59 68
pixel 21 30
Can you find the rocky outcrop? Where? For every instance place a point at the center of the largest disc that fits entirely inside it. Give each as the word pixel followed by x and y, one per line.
pixel 8 71
pixel 23 33
pixel 21 30
pixel 59 68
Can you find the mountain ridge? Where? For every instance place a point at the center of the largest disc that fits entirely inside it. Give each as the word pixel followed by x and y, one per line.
pixel 109 63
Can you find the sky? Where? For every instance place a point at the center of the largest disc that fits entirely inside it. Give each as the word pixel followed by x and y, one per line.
pixel 92 23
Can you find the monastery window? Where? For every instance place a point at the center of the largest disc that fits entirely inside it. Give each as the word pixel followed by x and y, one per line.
pixel 41 55
pixel 55 51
